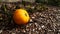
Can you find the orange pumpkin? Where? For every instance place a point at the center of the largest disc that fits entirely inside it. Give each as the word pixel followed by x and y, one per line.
pixel 21 16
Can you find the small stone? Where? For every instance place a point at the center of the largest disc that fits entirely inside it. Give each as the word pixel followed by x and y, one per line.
pixel 27 29
pixel 13 33
pixel 27 26
pixel 37 32
pixel 55 10
pixel 32 7
pixel 37 13
pixel 58 10
pixel 34 14
pixel 30 24
pixel 1 18
pixel 40 14
pixel 58 33
pixel 0 31
pixel 36 28
pixel 49 30
pixel 58 24
pixel 5 32
pixel 39 28
pixel 36 24
pixel 23 30
pixel 59 30
pixel 31 20
pixel 30 32
pixel 10 31
pixel 33 17
pixel 42 26
pixel 33 30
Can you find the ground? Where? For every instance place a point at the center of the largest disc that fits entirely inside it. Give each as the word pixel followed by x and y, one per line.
pixel 44 19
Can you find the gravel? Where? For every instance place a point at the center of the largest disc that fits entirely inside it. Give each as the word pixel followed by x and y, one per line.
pixel 46 21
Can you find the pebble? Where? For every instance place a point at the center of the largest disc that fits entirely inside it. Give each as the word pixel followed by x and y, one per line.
pixel 58 33
pixel 0 31
pixel 36 24
pixel 1 18
pixel 58 10
pixel 27 29
pixel 43 26
pixel 33 30
pixel 30 32
pixel 13 33
pixel 37 13
pixel 40 14
pixel 59 30
pixel 39 28
pixel 37 32
pixel 30 24
pixel 24 31
pixel 32 7
pixel 55 10
pixel 31 20
pixel 34 14
pixel 33 17
pixel 49 30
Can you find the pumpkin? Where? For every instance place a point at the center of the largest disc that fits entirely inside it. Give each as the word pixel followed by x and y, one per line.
pixel 21 16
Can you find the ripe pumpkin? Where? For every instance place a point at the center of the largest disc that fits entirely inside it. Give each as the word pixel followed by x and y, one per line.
pixel 21 16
